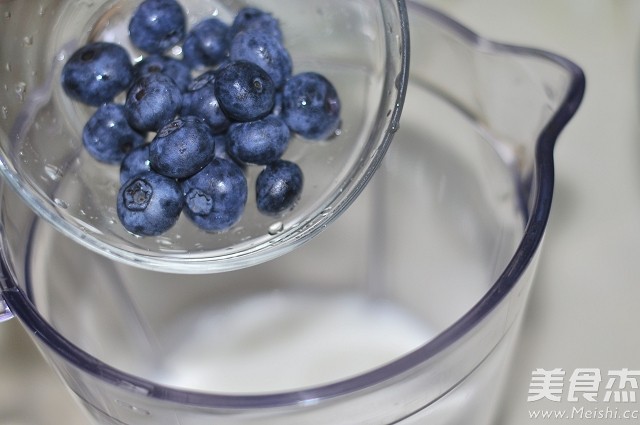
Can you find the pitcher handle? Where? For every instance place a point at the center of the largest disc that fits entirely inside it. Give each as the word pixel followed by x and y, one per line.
pixel 5 313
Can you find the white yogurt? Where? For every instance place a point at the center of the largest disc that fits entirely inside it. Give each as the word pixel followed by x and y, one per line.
pixel 270 342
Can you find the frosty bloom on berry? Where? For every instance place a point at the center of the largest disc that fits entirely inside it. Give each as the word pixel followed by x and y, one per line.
pixel 149 204
pixel 278 187
pixel 182 148
pixel 96 73
pixel 216 196
pixel 254 19
pixel 244 91
pixel 200 100
pixel 179 71
pixel 311 106
pixel 157 25
pixel 108 137
pixel 264 50
pixel 152 101
pixel 134 163
pixel 206 44
pixel 258 142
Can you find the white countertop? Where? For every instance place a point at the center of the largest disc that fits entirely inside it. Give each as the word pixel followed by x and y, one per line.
pixel 584 305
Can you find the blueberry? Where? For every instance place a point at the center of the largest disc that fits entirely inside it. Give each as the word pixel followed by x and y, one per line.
pixel 220 150
pixel 311 106
pixel 254 19
pixel 107 135
pixel 200 100
pixel 206 44
pixel 216 196
pixel 134 163
pixel 157 25
pixel 258 142
pixel 182 148
pixel 152 101
pixel 278 187
pixel 96 73
pixel 149 204
pixel 264 50
pixel 179 71
pixel 277 105
pixel 244 91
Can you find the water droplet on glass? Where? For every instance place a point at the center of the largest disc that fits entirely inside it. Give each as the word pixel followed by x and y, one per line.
pixel 165 242
pixel 135 409
pixel 53 172
pixel 7 66
pixel 276 228
pixel 325 212
pixel 4 112
pixel 7 15
pixel 27 40
pixel 20 90
pixel 42 10
pixel 62 204
pixel 398 81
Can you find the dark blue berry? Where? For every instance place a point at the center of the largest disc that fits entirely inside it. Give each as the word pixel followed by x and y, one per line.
pixel 200 100
pixel 152 101
pixel 278 187
pixel 244 91
pixel 134 163
pixel 216 196
pixel 254 19
pixel 96 73
pixel 264 50
pixel 107 136
pixel 182 148
pixel 258 142
pixel 179 71
pixel 149 204
pixel 221 151
pixel 311 106
pixel 206 44
pixel 157 25
pixel 277 105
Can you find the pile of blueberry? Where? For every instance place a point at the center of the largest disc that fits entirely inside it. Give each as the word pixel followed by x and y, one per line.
pixel 231 101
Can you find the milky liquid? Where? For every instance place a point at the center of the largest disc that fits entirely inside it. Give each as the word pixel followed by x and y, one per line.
pixel 272 342
pixel 254 333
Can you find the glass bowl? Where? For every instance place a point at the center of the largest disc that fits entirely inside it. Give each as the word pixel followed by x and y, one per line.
pixel 360 46
pixel 408 305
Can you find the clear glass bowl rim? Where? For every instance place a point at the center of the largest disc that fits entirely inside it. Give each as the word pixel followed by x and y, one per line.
pixel 21 307
pixel 293 235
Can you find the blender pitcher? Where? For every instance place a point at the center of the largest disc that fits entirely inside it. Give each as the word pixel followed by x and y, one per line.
pixel 405 310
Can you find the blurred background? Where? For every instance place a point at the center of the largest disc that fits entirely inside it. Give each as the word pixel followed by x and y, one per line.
pixel 585 304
